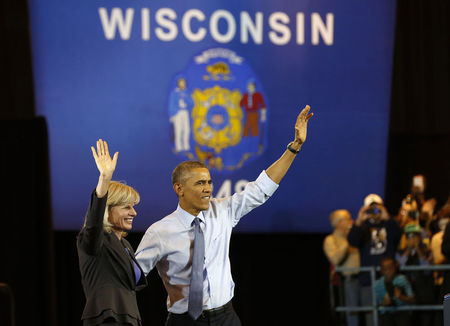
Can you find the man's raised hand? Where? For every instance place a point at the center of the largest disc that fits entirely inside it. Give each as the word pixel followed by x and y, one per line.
pixel 301 125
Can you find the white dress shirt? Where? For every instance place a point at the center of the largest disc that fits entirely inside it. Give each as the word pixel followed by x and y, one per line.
pixel 168 244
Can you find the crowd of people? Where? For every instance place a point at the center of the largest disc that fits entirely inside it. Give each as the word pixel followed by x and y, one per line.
pixel 417 235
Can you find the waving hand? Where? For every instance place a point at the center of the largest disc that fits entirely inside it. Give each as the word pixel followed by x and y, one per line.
pixel 301 125
pixel 105 165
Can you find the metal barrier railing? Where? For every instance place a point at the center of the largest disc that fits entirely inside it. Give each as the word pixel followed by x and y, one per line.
pixel 374 308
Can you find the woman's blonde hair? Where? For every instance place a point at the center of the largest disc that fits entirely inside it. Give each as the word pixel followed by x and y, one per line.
pixel 118 194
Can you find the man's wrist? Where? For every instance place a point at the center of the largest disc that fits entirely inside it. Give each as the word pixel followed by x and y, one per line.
pixel 297 142
pixel 294 147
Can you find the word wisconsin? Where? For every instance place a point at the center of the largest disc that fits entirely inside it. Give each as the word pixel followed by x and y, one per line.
pixel 166 25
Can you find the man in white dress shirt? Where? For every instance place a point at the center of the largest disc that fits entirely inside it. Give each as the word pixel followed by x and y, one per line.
pixel 168 243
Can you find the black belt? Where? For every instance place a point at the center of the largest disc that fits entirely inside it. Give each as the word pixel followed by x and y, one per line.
pixel 216 311
pixel 210 312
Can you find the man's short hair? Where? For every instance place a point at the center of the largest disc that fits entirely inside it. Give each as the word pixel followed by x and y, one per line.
pixel 181 171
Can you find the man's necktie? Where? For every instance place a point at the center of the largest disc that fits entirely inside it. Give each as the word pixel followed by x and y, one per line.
pixel 195 306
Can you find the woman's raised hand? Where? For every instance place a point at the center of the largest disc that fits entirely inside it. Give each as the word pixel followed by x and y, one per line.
pixel 105 164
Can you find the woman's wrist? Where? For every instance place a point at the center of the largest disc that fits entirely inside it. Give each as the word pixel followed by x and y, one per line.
pixel 105 176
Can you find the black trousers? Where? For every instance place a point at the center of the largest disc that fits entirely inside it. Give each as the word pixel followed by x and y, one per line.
pixel 112 322
pixel 227 317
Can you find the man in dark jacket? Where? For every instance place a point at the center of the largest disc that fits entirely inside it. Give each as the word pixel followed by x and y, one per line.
pixel 376 235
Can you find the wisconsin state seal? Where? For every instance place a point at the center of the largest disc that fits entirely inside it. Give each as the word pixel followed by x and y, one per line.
pixel 218 112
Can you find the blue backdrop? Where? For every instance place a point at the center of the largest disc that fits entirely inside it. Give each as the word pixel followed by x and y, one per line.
pixel 111 69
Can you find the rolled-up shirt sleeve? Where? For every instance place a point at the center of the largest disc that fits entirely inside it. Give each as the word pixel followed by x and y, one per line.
pixel 267 185
pixel 254 194
pixel 148 252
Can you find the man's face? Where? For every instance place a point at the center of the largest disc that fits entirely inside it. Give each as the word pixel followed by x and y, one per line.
pixel 374 212
pixel 195 193
pixel 345 224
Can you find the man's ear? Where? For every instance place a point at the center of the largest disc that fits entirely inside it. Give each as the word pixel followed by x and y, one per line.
pixel 178 188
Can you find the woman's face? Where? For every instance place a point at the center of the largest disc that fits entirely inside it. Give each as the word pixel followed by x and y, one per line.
pixel 121 217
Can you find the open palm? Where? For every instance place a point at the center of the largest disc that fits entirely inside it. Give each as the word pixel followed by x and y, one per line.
pixel 103 160
pixel 302 124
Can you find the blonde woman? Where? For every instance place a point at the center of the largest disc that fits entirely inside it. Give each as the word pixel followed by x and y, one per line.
pixel 109 272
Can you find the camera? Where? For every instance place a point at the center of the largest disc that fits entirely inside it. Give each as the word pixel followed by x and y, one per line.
pixel 413 214
pixel 373 210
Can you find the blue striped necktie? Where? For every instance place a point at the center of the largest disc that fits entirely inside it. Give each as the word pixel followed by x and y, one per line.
pixel 195 306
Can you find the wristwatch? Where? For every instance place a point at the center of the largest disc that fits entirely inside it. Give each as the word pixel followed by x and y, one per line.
pixel 294 151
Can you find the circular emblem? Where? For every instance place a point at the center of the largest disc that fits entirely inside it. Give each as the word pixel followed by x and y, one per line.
pixel 218 111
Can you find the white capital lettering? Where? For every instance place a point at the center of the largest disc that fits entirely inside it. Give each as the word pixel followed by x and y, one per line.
pixel 214 26
pixel 145 24
pixel 165 17
pixel 186 25
pixel 255 29
pixel 300 28
pixel 116 21
pixel 277 22
pixel 325 30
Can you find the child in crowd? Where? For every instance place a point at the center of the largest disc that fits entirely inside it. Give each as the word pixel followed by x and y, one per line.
pixel 393 290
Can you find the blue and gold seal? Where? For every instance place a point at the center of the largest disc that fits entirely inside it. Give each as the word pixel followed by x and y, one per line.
pixel 218 111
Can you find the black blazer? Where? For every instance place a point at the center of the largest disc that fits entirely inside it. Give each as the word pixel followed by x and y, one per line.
pixel 107 272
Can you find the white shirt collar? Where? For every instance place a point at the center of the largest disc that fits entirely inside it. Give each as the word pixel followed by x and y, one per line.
pixel 186 218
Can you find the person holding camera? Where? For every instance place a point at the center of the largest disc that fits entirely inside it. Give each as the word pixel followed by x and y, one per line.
pixel 417 208
pixel 408 212
pixel 417 253
pixel 393 290
pixel 376 235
